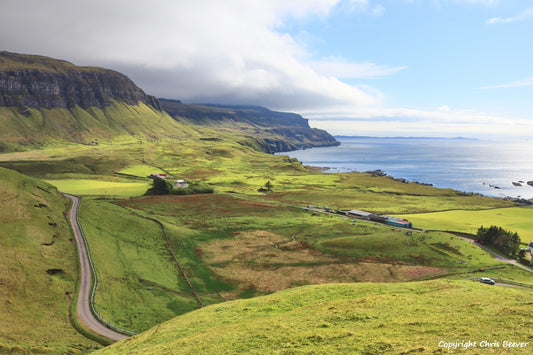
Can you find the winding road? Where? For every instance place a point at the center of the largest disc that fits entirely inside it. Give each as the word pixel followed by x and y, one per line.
pixel 498 256
pixel 85 315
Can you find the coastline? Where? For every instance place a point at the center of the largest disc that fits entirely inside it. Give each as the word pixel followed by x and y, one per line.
pixel 460 164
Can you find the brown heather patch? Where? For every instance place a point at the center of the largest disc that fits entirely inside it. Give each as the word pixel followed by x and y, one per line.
pixel 272 262
pixel 278 278
pixel 261 248
pixel 215 204
pixel 424 271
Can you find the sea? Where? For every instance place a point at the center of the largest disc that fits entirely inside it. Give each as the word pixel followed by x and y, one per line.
pixel 497 168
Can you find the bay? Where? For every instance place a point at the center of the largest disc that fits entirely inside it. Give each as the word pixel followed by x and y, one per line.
pixel 488 167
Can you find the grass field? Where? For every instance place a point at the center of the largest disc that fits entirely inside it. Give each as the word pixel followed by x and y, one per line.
pixel 101 187
pixel 363 318
pixel 518 219
pixel 139 284
pixel 260 247
pixel 140 170
pixel 38 269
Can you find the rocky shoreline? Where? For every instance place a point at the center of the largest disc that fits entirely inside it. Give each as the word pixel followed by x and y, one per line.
pixel 518 200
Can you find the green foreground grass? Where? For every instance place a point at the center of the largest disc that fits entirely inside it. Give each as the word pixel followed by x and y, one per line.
pixel 38 269
pixel 421 317
pixel 139 284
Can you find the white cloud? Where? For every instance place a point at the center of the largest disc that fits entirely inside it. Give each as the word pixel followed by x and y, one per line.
pixel 202 50
pixel 444 108
pixel 480 2
pixel 361 6
pixel 410 122
pixel 522 16
pixel 514 84
pixel 483 2
pixel 339 68
pixel 379 10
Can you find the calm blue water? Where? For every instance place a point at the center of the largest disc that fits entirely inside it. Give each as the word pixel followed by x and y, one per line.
pixel 462 164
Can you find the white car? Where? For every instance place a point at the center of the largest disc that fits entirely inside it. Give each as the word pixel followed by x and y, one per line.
pixel 487 281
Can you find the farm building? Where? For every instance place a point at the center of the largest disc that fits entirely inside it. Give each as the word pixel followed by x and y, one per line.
pixel 181 183
pixel 391 221
pixel 361 214
pixel 162 176
pixel 529 248
pixel 397 222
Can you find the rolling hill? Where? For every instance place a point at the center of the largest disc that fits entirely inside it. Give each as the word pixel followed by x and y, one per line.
pixel 364 318
pixel 38 269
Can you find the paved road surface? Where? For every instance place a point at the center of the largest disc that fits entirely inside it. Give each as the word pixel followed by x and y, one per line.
pixel 497 256
pixel 84 312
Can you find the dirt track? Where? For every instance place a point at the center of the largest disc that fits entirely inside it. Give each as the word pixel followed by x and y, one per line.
pixel 84 312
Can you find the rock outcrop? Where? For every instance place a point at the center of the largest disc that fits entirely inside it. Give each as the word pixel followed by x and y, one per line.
pixel 29 81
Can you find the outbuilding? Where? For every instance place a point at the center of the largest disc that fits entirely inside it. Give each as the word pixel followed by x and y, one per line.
pixel 181 183
pixel 361 214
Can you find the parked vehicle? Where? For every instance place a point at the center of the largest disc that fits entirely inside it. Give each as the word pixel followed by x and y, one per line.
pixel 487 281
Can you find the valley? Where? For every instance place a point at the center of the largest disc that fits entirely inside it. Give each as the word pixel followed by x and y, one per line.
pixel 245 266
pixel 239 243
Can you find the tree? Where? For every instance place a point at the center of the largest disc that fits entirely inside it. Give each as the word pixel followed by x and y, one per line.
pixel 161 187
pixel 501 239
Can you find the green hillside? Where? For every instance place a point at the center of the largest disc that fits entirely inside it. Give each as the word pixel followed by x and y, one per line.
pixel 362 318
pixel 266 130
pixel 16 61
pixel 93 126
pixel 38 269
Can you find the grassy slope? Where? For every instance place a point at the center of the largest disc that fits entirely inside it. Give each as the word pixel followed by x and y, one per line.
pixel 347 318
pixel 87 126
pixel 14 61
pixel 34 238
pixel 139 284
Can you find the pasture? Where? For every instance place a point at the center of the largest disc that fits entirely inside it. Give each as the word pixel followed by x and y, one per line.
pixel 360 318
pixel 100 187
pixel 517 219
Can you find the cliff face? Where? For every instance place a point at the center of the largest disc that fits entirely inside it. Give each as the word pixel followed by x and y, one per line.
pixel 266 130
pixel 34 89
pixel 28 81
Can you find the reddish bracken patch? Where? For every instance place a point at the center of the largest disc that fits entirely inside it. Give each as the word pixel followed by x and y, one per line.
pixel 423 271
pixel 199 252
pixel 378 259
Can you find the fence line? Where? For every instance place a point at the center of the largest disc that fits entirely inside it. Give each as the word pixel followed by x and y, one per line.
pixel 169 247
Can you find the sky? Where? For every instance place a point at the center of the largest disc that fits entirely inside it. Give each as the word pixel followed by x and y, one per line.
pixel 441 68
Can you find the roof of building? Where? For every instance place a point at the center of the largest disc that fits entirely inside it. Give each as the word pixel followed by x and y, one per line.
pixel 360 213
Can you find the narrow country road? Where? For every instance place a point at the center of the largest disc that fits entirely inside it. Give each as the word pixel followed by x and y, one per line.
pixel 84 312
pixel 497 256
